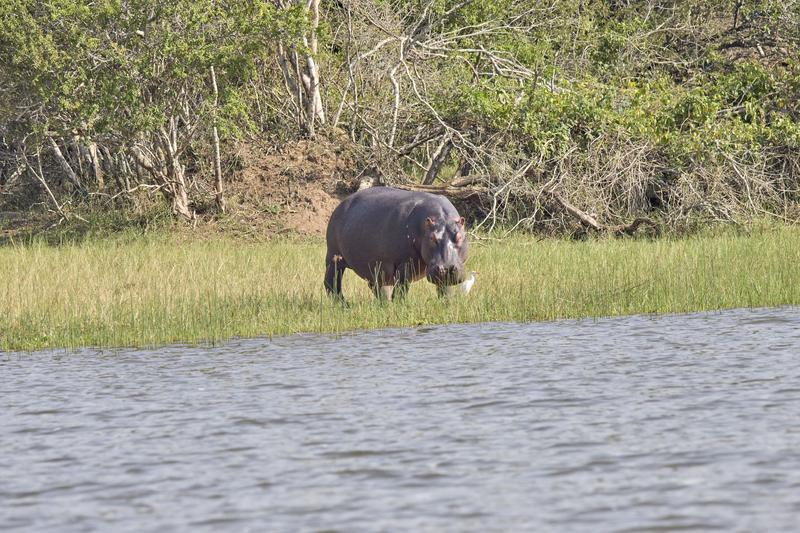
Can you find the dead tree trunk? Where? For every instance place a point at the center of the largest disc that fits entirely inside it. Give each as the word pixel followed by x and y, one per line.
pixel 439 158
pixel 79 152
pixel 98 168
pixel 315 109
pixel 464 168
pixel 217 163
pixel 301 75
pixel 65 166
pixel 166 169
pixel 175 171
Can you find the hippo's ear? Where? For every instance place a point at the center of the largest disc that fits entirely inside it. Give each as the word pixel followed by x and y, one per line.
pixel 429 223
pixel 461 222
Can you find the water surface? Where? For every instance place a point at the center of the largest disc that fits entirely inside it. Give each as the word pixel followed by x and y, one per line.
pixel 683 422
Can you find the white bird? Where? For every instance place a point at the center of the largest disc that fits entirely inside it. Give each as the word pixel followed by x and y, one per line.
pixel 466 286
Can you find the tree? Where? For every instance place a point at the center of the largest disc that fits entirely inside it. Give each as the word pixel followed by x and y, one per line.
pixel 130 82
pixel 300 68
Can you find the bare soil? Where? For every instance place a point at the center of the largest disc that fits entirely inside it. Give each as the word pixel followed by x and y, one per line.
pixel 293 189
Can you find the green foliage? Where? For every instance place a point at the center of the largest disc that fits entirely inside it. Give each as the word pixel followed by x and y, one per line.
pixel 627 71
pixel 743 109
pixel 113 68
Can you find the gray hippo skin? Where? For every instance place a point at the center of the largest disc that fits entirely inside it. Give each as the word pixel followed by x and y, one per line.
pixel 392 237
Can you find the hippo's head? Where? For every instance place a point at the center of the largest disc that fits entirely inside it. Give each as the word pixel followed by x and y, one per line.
pixel 444 250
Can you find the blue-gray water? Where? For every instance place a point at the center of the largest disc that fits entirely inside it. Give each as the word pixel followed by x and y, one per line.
pixel 687 422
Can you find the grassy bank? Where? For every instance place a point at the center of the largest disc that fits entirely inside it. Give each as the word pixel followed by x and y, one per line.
pixel 147 291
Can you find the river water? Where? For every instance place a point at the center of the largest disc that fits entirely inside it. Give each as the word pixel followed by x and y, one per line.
pixel 687 422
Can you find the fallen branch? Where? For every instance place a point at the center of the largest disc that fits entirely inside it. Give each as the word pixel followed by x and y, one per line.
pixel 589 221
pixel 583 217
pixel 459 189
pixel 449 191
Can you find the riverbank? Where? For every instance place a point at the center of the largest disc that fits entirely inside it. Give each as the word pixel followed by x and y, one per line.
pixel 153 290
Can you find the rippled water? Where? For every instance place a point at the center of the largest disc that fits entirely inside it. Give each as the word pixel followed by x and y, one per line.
pixel 624 424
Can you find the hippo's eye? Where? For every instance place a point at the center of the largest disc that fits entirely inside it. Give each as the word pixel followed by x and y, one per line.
pixel 433 237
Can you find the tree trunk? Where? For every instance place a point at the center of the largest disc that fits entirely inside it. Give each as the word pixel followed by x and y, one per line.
pixel 62 161
pixel 301 76
pixel 78 150
pixel 170 180
pixel 438 159
pixel 464 168
pixel 217 162
pixel 317 112
pixel 176 175
pixel 98 169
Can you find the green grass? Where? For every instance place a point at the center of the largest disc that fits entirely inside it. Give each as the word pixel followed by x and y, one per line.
pixel 153 290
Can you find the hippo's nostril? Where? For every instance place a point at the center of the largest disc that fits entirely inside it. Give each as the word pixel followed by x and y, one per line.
pixel 440 270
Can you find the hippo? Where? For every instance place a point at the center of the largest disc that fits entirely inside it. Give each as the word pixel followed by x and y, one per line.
pixel 391 237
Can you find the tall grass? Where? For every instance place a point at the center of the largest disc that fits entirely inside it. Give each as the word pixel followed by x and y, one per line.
pixel 153 290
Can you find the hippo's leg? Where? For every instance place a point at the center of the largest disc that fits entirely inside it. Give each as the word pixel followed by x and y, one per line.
pixel 382 282
pixel 386 292
pixel 404 275
pixel 382 293
pixel 334 269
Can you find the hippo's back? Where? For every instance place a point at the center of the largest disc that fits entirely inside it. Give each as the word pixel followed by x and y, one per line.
pixel 382 206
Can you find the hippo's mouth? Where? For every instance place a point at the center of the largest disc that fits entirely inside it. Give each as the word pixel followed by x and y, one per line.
pixel 445 278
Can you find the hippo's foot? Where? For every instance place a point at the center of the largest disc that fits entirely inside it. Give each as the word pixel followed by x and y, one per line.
pixel 383 292
pixel 400 292
pixel 443 291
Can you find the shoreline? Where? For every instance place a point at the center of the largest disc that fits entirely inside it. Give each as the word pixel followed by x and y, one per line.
pixel 211 344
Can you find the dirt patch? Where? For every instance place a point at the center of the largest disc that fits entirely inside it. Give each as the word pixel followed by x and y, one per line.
pixel 292 189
